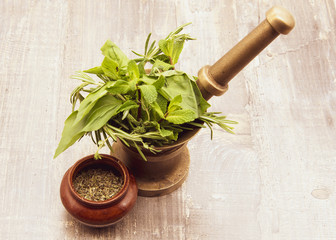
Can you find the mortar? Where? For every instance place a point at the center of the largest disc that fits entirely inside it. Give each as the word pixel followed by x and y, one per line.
pixel 165 171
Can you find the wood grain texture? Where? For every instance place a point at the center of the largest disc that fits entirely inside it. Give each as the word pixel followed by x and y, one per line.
pixel 274 179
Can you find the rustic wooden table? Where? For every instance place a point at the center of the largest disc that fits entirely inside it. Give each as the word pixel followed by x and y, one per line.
pixel 274 179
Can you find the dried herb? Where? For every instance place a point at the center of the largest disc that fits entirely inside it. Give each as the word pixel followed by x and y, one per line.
pixel 97 184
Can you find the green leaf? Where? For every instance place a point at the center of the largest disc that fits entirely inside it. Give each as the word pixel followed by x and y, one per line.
pixel 71 133
pixel 112 51
pixel 172 45
pixel 133 70
pixel 119 87
pixel 128 105
pixel 177 49
pixel 148 92
pixel 163 102
pixel 158 64
pixel 133 84
pixel 169 73
pixel 166 46
pixel 175 103
pixel 147 41
pixel 159 83
pixel 156 108
pixel 104 109
pixel 95 70
pixel 88 103
pixel 141 67
pixel 165 132
pixel 110 68
pixel 191 96
pixel 181 116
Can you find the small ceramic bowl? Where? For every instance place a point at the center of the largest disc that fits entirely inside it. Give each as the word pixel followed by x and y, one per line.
pixel 99 213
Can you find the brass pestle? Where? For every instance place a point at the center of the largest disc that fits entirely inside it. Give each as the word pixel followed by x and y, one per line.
pixel 213 80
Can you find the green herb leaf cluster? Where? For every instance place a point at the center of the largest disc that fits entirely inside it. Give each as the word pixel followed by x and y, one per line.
pixel 120 99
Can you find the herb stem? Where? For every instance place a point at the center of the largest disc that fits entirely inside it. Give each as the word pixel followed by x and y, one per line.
pixel 139 103
pixel 171 63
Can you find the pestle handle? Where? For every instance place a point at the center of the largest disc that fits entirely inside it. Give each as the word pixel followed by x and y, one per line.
pixel 213 80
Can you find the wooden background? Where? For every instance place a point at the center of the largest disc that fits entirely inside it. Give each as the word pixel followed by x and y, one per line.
pixel 274 179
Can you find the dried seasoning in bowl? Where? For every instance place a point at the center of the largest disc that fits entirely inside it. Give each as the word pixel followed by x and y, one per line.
pixel 97 184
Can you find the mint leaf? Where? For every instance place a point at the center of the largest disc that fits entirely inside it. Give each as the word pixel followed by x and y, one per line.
pixel 177 49
pixel 162 102
pixel 141 67
pixel 166 46
pixel 111 50
pixel 159 83
pixel 163 66
pixel 165 132
pixel 175 104
pixel 133 70
pixel 172 45
pixel 148 92
pixel 156 107
pixel 181 116
pixel 172 48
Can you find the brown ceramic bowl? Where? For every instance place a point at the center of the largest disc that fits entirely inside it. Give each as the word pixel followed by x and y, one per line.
pixel 99 213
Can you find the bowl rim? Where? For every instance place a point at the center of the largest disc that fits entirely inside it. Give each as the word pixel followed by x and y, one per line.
pixel 108 160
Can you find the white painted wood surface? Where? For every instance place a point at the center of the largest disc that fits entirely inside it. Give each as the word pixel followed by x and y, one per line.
pixel 274 179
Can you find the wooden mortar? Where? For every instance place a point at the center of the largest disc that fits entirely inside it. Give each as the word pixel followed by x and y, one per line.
pixel 166 171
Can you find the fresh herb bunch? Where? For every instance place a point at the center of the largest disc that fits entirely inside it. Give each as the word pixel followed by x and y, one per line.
pixel 142 108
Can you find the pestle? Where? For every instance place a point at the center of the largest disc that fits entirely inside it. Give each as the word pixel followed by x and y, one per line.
pixel 213 80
